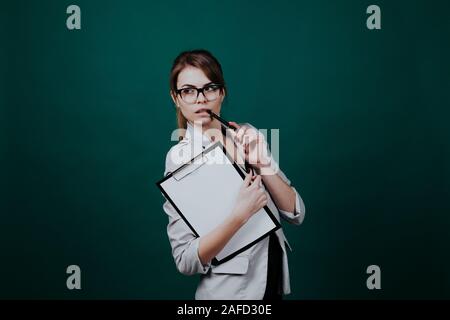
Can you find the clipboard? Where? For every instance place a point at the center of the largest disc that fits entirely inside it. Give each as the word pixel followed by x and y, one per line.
pixel 203 191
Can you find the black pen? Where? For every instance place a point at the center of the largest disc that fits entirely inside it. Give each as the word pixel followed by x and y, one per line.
pixel 225 123
pixel 230 126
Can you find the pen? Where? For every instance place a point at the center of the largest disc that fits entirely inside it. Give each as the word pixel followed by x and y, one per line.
pixel 225 123
pixel 230 126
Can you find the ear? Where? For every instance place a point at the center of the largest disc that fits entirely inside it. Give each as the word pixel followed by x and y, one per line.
pixel 174 97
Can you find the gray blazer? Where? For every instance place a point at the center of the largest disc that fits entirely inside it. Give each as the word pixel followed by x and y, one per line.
pixel 244 276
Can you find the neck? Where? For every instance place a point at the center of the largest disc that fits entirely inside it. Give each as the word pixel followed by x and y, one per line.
pixel 212 135
pixel 215 124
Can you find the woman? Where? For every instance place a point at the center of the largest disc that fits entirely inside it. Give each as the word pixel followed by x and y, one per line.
pixel 260 272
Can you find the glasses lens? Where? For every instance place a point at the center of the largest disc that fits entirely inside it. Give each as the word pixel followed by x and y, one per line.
pixel 189 95
pixel 212 92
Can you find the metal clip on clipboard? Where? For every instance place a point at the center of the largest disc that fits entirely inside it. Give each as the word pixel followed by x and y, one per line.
pixel 189 168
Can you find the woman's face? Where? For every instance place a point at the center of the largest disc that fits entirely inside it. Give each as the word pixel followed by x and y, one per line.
pixel 191 77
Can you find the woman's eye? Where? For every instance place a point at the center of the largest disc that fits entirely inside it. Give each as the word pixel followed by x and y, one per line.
pixel 188 91
pixel 210 88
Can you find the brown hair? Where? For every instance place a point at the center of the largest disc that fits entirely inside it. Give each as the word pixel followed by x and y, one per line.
pixel 201 59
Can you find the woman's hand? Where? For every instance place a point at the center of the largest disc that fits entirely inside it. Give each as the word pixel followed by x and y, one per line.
pixel 253 146
pixel 251 198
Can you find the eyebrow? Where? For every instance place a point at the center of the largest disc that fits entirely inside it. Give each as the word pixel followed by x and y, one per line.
pixel 192 86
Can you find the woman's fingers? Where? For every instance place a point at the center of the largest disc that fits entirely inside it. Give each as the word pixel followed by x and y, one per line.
pixel 263 200
pixel 234 124
pixel 248 179
pixel 256 183
pixel 240 133
pixel 234 133
pixel 250 136
pixel 246 135
pixel 264 203
pixel 250 142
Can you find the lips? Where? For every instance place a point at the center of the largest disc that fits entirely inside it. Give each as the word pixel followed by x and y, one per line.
pixel 202 110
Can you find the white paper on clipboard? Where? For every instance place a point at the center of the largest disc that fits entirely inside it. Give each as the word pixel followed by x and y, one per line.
pixel 204 193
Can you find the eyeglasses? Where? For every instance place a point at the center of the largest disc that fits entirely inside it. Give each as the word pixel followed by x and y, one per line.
pixel 190 94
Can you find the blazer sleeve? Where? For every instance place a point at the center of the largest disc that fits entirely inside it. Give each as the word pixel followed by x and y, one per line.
pixel 183 241
pixel 297 216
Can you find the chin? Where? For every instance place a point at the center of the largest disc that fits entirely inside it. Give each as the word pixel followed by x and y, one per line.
pixel 203 120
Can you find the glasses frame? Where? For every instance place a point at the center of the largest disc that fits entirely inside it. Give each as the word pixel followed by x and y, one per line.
pixel 200 90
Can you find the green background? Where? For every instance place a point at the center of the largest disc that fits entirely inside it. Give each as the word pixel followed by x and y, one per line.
pixel 86 120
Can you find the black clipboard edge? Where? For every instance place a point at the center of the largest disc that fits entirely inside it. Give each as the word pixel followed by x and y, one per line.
pixel 215 261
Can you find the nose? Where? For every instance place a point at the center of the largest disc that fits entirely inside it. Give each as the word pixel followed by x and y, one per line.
pixel 201 98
